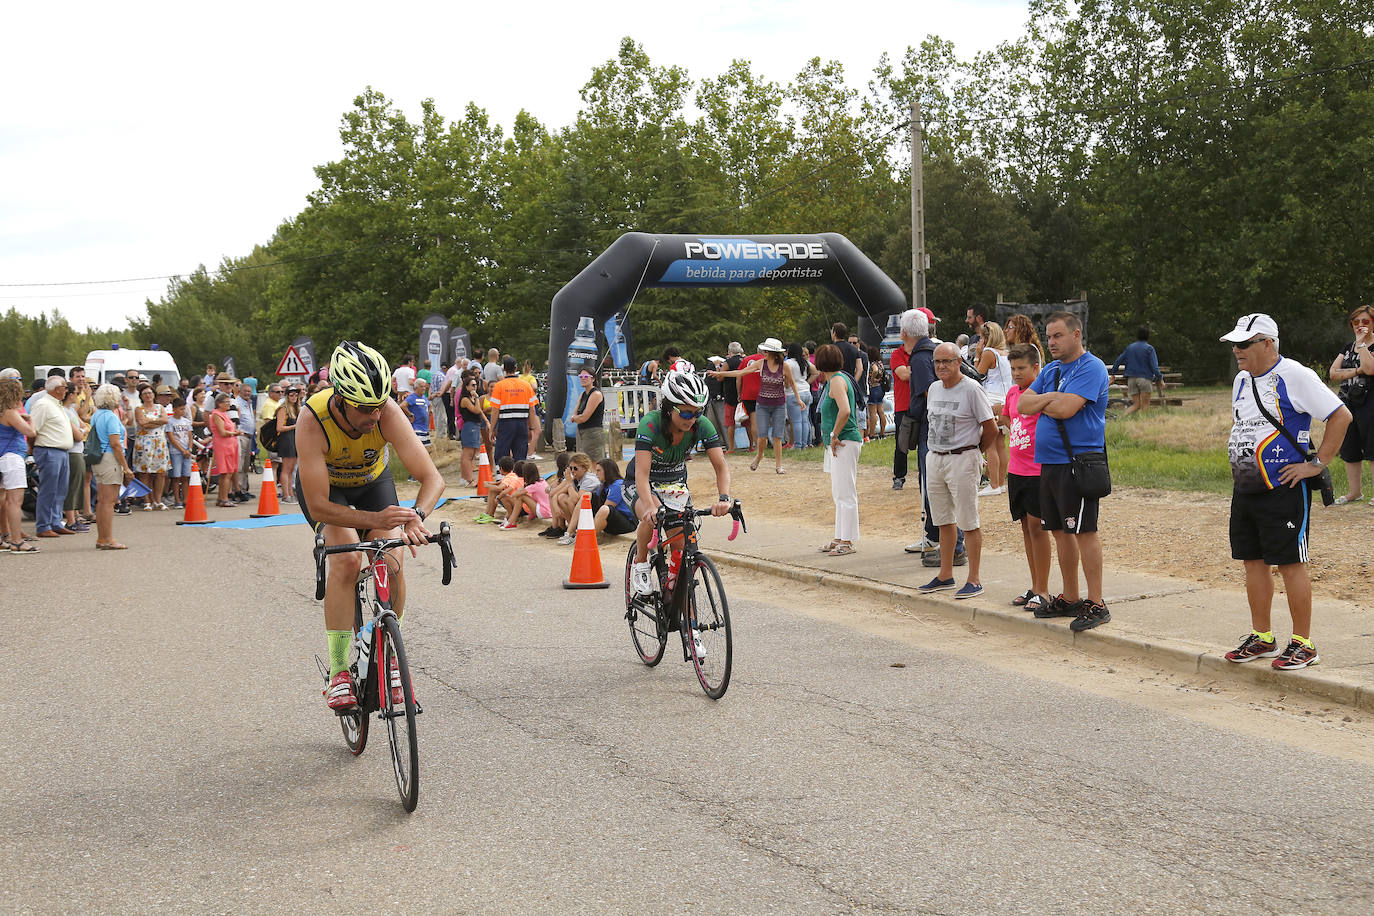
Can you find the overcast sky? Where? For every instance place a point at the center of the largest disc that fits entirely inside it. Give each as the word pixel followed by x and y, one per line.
pixel 140 140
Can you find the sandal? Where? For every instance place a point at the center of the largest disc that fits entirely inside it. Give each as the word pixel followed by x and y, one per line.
pixel 754 465
pixel 781 470
pixel 1037 603
pixel 829 547
pixel 159 506
pixel 21 547
pixel 147 507
pixel 224 505
pixel 1021 599
pixel 1344 500
pixel 842 550
pixel 110 545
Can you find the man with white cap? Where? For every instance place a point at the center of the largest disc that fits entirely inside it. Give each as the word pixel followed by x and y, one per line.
pixel 1273 401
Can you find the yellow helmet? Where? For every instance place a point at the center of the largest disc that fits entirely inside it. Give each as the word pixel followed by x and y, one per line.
pixel 360 374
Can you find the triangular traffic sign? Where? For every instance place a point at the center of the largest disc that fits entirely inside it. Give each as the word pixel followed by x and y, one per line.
pixel 292 364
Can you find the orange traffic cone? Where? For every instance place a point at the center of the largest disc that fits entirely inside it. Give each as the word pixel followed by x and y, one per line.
pixel 483 472
pixel 586 562
pixel 267 496
pixel 195 501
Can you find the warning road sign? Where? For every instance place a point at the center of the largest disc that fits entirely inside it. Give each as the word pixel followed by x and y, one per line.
pixel 292 364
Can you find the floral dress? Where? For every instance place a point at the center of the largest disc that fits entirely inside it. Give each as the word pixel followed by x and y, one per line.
pixel 150 446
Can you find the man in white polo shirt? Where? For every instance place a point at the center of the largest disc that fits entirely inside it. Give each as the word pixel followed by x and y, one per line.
pixel 52 439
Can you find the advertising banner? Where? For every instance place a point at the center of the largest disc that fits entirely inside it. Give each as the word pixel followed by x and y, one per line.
pixel 433 342
pixel 305 349
pixel 618 339
pixel 459 344
pixel 230 366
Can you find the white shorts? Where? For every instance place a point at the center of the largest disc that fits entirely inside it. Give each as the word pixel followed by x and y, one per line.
pixel 12 476
pixel 953 489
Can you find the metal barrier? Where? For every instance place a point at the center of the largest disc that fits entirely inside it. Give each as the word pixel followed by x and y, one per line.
pixel 628 404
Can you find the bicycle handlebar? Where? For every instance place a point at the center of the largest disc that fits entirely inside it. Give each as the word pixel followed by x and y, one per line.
pixel 378 545
pixel 736 513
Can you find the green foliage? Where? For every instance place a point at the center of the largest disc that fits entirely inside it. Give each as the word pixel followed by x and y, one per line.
pixel 1184 163
pixel 47 340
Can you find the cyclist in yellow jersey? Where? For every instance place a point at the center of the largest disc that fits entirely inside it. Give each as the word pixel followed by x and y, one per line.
pixel 344 487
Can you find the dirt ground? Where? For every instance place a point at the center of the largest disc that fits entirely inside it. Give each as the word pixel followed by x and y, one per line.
pixel 1179 534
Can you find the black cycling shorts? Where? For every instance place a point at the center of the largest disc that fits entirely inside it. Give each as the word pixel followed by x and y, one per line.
pixel 370 497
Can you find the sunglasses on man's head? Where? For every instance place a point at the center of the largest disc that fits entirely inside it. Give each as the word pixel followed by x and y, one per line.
pixel 1245 344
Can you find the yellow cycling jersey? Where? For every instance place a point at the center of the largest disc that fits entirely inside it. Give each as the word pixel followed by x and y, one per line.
pixel 351 461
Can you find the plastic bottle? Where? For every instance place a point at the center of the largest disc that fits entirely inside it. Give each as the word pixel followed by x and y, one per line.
pixel 674 562
pixel 581 355
pixel 364 643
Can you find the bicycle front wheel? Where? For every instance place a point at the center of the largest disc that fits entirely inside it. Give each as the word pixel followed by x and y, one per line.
pixel 707 627
pixel 647 630
pixel 398 710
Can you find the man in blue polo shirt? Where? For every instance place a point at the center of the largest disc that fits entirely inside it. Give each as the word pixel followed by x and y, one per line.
pixel 1072 391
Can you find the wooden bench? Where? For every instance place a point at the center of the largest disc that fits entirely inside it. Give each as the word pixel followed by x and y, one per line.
pixel 1116 387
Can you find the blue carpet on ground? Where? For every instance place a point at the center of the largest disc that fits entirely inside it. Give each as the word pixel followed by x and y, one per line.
pixel 275 521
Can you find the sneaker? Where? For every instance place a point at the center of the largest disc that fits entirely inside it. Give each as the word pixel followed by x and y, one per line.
pixel 897 484
pixel 548 531
pixel 567 538
pixel 79 527
pixel 922 546
pixel 1296 656
pixel 533 457
pixel 988 490
pixel 639 578
pixel 931 558
pixel 969 590
pixel 508 525
pixel 1093 615
pixel 935 585
pixel 1058 607
pixel 1252 647
pixel 398 696
pixel 556 533
pixel 339 693
pixel 123 510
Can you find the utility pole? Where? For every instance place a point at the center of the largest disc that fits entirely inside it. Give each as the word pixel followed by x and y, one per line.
pixel 920 261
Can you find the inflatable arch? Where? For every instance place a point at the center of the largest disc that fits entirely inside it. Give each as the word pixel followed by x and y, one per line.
pixel 638 260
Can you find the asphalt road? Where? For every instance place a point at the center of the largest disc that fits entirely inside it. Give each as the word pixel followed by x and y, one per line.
pixel 167 748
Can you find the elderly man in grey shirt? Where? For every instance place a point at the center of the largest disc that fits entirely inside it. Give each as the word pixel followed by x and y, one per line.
pixel 961 426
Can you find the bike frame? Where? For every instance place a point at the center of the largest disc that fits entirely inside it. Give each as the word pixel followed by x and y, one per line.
pixel 683 523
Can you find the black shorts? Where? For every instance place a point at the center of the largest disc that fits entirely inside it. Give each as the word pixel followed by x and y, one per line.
pixel 1272 526
pixel 1358 444
pixel 371 497
pixel 1024 495
pixel 1062 507
pixel 618 522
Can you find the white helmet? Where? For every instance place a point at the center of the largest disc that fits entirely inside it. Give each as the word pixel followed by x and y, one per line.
pixel 684 388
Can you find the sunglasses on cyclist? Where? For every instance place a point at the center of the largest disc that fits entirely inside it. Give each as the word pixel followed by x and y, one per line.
pixel 686 414
pixel 1245 344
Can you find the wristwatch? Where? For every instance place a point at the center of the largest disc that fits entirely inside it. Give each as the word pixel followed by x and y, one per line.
pixel 724 497
pixel 1317 461
pixel 421 513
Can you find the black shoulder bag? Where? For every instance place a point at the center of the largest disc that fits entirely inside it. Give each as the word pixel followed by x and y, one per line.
pixel 1324 478
pixel 1090 472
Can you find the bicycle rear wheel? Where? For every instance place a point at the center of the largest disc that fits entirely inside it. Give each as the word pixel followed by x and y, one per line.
pixel 708 618
pixel 647 630
pixel 399 716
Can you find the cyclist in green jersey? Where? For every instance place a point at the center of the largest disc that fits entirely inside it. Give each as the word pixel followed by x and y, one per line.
pixel 664 439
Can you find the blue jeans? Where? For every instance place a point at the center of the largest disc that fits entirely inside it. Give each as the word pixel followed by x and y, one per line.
pixel 932 530
pixel 798 415
pixel 53 476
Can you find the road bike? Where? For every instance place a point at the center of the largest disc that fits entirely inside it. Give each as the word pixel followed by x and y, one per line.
pixel 377 648
pixel 688 595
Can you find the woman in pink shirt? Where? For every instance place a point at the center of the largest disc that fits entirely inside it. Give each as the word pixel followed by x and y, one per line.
pixel 226 448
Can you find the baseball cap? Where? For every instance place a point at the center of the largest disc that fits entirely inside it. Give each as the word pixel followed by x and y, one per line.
pixel 930 316
pixel 1257 324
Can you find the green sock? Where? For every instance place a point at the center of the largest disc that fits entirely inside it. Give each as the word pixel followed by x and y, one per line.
pixel 1303 640
pixel 338 650
pixel 1267 637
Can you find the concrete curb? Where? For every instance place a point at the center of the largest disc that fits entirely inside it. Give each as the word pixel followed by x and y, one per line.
pixel 1178 655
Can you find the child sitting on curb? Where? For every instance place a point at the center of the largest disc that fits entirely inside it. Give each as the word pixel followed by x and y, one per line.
pixel 533 499
pixel 614 516
pixel 505 479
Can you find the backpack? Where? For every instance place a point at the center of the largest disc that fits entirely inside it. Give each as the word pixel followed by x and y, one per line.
pixel 92 449
pixel 268 436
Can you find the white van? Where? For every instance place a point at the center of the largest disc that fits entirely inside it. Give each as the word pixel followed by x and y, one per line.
pixel 104 364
